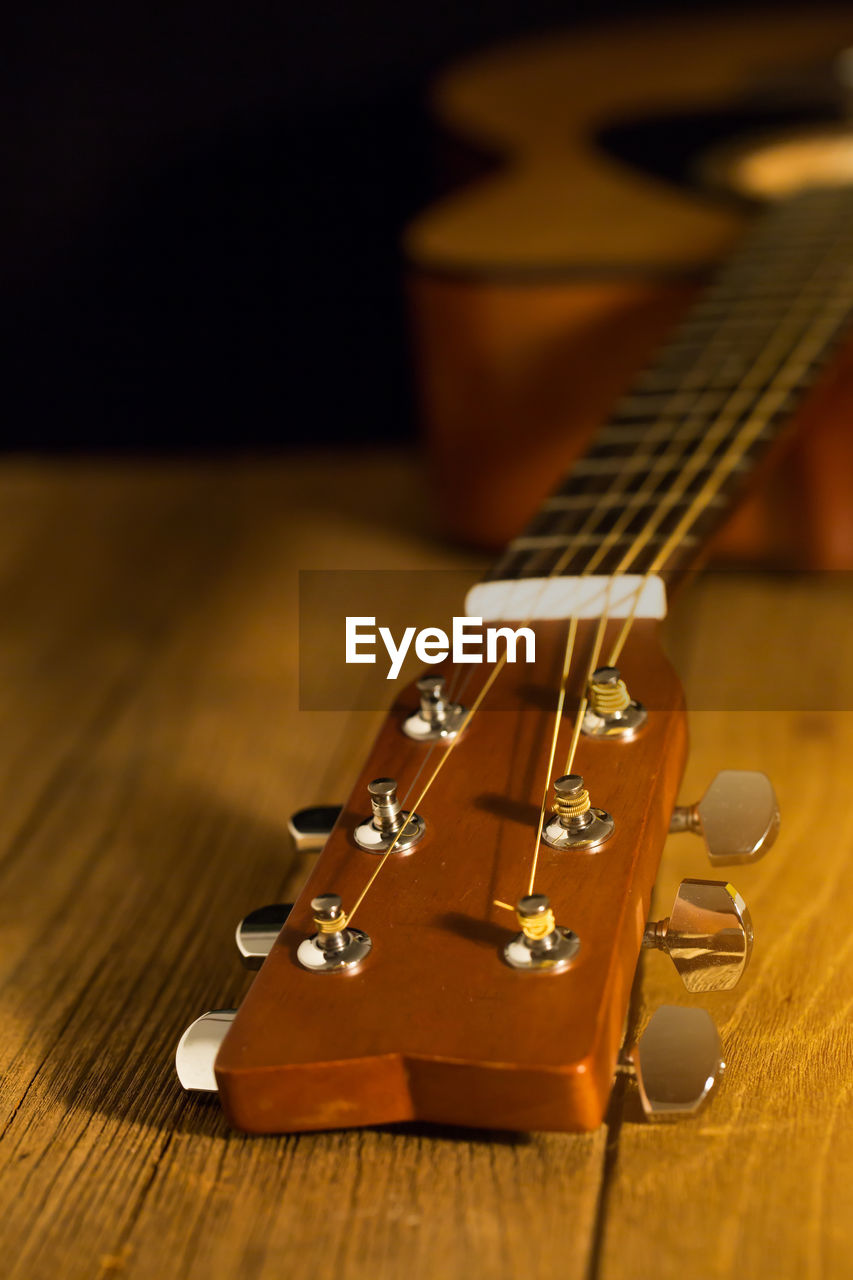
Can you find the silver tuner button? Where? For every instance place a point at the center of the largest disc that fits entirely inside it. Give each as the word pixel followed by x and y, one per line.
pixel 197 1050
pixel 310 828
pixel 707 936
pixel 390 824
pixel 438 719
pixel 738 817
pixel 256 932
pixel 336 947
pixel 677 1063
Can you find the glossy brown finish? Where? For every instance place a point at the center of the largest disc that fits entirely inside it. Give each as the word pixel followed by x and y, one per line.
pixel 540 290
pixel 436 1026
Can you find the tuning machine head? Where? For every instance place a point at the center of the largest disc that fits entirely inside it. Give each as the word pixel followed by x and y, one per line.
pixel 738 817
pixel 707 935
pixel 438 718
pixel 677 1062
pixel 256 933
pixel 198 1047
pixel 310 828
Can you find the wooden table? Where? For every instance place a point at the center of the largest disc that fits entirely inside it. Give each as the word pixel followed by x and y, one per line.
pixel 152 749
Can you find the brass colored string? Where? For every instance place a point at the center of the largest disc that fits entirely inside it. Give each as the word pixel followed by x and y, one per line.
pixel 558 720
pixel 607 698
pixel 624 630
pixel 537 927
pixel 720 426
pixel 661 465
pixel 533 927
pixel 557 568
pixel 584 700
pixel 574 808
pixel 673 454
pixel 768 404
pixel 472 710
pixel 332 926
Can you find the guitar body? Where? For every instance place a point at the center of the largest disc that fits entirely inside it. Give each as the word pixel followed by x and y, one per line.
pixel 552 271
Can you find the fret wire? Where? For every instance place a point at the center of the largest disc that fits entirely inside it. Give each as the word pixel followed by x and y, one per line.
pixel 754 423
pixel 720 473
pixel 578 501
pixel 545 540
pixel 838 305
pixel 827 333
pixel 483 693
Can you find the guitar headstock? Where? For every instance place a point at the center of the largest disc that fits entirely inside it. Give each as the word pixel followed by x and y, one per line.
pixel 437 1003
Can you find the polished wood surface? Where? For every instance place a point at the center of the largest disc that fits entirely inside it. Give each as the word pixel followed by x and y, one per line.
pixel 152 750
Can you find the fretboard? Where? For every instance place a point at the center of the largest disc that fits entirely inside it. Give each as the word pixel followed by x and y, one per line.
pixel 678 449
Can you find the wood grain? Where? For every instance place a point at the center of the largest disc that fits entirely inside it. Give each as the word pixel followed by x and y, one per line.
pixel 152 750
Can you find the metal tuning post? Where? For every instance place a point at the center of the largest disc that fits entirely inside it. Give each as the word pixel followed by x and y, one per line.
pixel 542 946
pixel 197 1050
pixel 335 947
pixel 438 719
pixel 390 823
pixel 574 824
pixel 311 828
pixel 738 817
pixel 677 1063
pixel 611 711
pixel 256 933
pixel 707 936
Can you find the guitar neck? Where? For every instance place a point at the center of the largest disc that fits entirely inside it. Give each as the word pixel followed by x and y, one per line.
pixel 679 448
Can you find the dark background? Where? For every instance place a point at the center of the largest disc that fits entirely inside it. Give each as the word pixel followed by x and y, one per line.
pixel 202 211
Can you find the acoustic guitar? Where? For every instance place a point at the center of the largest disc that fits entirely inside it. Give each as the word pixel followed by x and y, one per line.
pixel 593 183
pixel 463 951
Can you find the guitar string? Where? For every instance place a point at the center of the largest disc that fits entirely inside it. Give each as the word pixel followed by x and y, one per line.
pixel 658 431
pixel 558 717
pixel 745 437
pixel 769 404
pixel 719 342
pixel 699 375
pixel 730 414
pixel 556 569
pixel 665 462
pixel 562 560
pixel 662 464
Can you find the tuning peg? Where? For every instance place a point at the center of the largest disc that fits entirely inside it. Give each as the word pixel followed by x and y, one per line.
pixel 677 1063
pixel 311 828
pixel 389 823
pixel 708 935
pixel 738 817
pixel 438 719
pixel 256 932
pixel 198 1047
